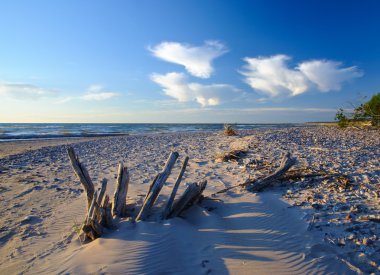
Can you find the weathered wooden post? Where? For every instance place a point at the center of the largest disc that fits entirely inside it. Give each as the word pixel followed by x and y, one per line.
pixel 156 186
pixel 121 189
pixel 82 174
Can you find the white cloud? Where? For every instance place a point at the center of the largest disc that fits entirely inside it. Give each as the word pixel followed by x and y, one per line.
pixel 175 85
pixel 328 75
pixel 272 76
pixel 196 60
pixel 95 92
pixel 25 91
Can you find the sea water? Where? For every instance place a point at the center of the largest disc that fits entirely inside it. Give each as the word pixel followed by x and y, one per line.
pixel 17 131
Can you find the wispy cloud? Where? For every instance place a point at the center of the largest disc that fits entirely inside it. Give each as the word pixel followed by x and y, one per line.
pixel 272 76
pixel 63 100
pixel 176 85
pixel 328 75
pixel 25 91
pixel 96 92
pixel 196 59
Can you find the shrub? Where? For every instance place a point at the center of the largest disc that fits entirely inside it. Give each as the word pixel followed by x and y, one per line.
pixel 341 118
pixel 372 109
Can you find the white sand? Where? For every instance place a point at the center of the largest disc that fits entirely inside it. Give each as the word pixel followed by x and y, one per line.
pixel 234 233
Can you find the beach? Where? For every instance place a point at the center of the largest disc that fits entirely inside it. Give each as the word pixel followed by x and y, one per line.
pixel 321 219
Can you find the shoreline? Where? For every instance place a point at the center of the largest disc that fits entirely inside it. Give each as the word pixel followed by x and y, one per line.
pixel 23 131
pixel 41 199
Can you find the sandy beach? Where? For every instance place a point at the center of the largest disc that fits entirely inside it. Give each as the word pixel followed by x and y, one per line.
pixel 323 219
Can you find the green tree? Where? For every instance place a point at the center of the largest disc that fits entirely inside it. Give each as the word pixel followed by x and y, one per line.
pixel 341 118
pixel 372 109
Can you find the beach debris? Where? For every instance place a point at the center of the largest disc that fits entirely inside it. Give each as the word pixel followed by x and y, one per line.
pixel 286 163
pixel 230 155
pixel 102 213
pixel 256 185
pixel 229 130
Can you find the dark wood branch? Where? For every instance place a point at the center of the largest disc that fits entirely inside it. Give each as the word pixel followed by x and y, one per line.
pixel 169 204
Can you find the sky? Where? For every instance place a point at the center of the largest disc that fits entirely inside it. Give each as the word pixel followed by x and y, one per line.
pixel 198 61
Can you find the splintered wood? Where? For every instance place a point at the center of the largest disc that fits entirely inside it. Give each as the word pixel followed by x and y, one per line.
pixel 102 213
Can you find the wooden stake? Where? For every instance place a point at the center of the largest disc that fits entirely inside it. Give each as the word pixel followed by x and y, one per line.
pixel 169 204
pixel 92 208
pixel 189 197
pixel 102 192
pixel 157 186
pixel 82 174
pixel 120 195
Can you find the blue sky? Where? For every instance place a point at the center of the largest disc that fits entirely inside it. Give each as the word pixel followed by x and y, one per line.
pixel 186 61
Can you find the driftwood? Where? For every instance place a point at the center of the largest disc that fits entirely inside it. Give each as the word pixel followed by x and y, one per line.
pixel 169 204
pixel 121 188
pixel 98 216
pixel 230 155
pixel 157 186
pixel 100 210
pixel 286 163
pixel 279 174
pixel 191 196
pixel 91 228
pixel 106 215
pixel 102 192
pixel 82 174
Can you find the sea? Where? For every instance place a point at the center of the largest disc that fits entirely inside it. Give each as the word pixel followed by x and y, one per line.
pixel 26 131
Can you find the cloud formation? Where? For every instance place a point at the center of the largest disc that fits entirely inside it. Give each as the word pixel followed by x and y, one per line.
pixel 196 60
pixel 96 93
pixel 176 85
pixel 272 76
pixel 25 91
pixel 328 75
